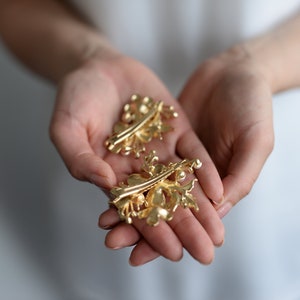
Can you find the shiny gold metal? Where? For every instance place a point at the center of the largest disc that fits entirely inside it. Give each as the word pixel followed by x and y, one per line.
pixel 142 120
pixel 155 193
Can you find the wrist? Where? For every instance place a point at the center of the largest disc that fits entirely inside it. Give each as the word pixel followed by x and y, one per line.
pixel 101 63
pixel 277 52
pixel 261 52
pixel 246 56
pixel 239 62
pixel 86 47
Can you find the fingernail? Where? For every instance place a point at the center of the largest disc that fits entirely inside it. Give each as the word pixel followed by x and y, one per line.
pixel 105 227
pixel 220 201
pixel 221 244
pixel 106 224
pixel 224 209
pixel 116 248
pixel 132 264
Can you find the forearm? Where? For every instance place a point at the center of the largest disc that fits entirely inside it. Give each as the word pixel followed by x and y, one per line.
pixel 49 37
pixel 278 52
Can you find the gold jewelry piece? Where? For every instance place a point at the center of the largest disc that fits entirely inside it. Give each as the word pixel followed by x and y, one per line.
pixel 141 121
pixel 156 192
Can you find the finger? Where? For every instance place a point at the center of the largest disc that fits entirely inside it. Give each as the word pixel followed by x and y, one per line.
pixel 109 219
pixel 209 218
pixel 72 143
pixel 184 230
pixel 161 238
pixel 123 235
pixel 245 167
pixel 210 182
pixel 142 253
pixel 193 236
pixel 186 227
pixel 189 146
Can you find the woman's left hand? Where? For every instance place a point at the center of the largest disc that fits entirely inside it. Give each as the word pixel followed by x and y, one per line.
pixel 228 101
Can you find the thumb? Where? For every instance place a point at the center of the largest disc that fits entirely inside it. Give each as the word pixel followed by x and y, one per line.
pixel 79 157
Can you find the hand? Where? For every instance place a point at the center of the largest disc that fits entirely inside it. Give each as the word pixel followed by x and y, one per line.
pixel 89 102
pixel 228 100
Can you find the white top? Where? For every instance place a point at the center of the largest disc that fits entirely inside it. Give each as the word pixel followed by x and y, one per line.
pixel 172 36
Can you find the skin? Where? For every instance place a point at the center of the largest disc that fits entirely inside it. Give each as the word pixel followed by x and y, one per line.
pixel 82 120
pixel 236 125
pixel 238 136
pixel 231 95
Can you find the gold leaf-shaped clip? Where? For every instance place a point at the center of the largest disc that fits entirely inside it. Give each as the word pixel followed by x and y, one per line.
pixel 142 120
pixel 156 192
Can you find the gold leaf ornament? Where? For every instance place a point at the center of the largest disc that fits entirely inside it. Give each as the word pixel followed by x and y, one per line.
pixel 142 120
pixel 156 192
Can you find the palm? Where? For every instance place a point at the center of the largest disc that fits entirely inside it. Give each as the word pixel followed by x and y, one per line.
pixel 88 104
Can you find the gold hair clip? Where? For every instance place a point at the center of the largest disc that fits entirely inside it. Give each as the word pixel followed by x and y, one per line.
pixel 156 192
pixel 141 121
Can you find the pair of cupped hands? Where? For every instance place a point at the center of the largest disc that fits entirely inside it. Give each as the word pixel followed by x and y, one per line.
pixel 224 119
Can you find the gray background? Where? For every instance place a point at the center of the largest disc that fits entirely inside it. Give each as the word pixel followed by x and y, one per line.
pixel 38 198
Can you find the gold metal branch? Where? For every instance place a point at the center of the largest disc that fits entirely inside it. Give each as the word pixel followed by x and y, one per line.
pixel 155 193
pixel 142 120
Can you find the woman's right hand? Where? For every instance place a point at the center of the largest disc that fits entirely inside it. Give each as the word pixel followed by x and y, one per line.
pixel 89 102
